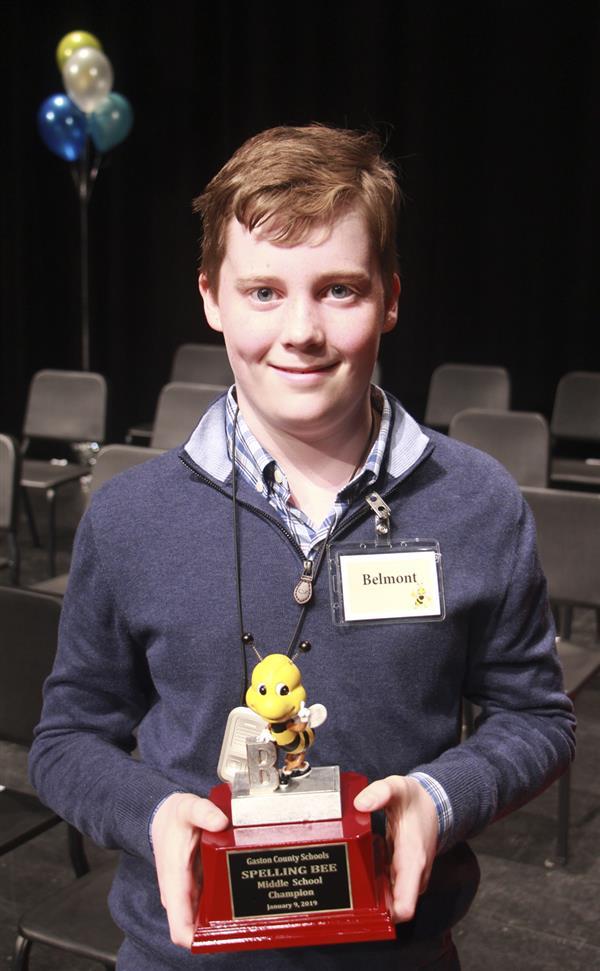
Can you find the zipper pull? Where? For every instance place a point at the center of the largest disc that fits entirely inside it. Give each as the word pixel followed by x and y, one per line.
pixel 304 587
pixel 382 513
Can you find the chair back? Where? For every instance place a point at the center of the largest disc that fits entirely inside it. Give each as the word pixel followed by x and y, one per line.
pixel 68 406
pixel 568 533
pixel 9 482
pixel 112 459
pixel 455 387
pixel 29 625
pixel 201 364
pixel 576 409
pixel 520 440
pixel 179 408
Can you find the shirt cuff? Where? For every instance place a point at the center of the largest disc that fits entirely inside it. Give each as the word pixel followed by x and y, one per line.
pixel 154 812
pixel 443 806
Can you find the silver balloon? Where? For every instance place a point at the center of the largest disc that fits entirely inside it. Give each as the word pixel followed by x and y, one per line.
pixel 88 78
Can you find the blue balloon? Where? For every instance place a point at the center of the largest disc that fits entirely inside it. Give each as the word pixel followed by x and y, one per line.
pixel 63 127
pixel 111 122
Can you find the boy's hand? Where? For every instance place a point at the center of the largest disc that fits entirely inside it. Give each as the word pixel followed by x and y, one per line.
pixel 412 829
pixel 176 831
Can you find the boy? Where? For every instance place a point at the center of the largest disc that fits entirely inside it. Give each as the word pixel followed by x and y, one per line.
pixel 182 563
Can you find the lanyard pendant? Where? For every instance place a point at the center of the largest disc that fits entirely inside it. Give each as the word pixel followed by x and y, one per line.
pixel 304 587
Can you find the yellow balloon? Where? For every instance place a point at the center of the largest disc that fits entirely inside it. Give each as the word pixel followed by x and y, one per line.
pixel 72 42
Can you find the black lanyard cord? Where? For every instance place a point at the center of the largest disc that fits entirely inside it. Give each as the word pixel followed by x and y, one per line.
pixel 246 639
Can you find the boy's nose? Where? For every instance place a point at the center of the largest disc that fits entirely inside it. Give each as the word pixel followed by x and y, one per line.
pixel 302 324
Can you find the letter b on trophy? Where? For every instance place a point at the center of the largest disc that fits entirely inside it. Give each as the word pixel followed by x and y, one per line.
pixel 262 766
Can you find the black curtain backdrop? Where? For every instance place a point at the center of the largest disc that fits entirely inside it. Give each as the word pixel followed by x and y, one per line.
pixel 490 108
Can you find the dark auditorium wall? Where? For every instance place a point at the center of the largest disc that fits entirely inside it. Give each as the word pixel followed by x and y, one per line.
pixel 491 109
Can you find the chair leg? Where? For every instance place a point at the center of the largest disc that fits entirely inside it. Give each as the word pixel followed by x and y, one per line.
pixel 15 559
pixel 51 498
pixel 21 954
pixel 35 536
pixel 564 793
pixel 565 622
pixel 79 860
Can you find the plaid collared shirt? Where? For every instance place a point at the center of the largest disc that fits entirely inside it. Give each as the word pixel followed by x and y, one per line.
pixel 262 472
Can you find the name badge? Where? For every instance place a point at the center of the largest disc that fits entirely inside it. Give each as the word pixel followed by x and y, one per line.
pixel 376 584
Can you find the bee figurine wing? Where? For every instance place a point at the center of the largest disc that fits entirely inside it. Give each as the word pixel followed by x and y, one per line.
pixel 318 714
pixel 242 724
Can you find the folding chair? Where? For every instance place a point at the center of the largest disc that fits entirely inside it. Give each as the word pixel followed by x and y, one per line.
pixel 568 528
pixel 29 625
pixel 520 440
pixel 75 919
pixel 10 474
pixel 575 426
pixel 455 387
pixel 111 460
pixel 67 407
pixel 192 364
pixel 180 407
pixel 202 364
pixel 579 666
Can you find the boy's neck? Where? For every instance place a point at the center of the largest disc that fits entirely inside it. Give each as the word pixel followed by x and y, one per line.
pixel 318 468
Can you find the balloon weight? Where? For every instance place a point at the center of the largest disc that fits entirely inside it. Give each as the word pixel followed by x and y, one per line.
pixel 63 127
pixel 111 122
pixel 88 78
pixel 72 42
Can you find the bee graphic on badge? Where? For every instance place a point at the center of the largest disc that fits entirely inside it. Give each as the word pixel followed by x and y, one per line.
pixel 422 599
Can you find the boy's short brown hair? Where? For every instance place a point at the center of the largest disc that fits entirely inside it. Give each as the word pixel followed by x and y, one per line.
pixel 290 180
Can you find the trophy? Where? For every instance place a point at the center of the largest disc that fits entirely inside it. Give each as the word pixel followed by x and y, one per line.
pixel 299 866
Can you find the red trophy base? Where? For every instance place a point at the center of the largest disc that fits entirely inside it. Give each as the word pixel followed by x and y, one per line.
pixel 293 884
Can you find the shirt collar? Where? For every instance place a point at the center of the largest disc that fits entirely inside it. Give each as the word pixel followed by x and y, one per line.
pixel 259 467
pixel 207 446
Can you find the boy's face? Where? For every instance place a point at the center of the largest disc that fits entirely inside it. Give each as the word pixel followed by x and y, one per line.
pixel 302 326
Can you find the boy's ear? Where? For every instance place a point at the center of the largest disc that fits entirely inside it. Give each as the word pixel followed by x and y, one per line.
pixel 211 307
pixel 391 309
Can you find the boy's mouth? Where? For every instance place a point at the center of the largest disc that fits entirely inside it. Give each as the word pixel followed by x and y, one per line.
pixel 307 369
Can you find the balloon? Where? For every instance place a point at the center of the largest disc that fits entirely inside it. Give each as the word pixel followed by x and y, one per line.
pixel 72 42
pixel 63 127
pixel 88 78
pixel 111 122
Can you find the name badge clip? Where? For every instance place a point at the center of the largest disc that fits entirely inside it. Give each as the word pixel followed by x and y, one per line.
pixel 382 518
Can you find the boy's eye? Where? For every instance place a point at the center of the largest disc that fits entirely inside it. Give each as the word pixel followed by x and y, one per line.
pixel 339 291
pixel 264 294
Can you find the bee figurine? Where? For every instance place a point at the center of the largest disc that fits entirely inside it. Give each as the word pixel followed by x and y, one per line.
pixel 277 695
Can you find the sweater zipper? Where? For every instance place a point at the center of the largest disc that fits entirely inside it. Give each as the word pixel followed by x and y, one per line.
pixel 339 531
pixel 246 505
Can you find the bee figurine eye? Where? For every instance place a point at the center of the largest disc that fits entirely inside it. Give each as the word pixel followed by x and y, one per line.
pixel 282 689
pixel 262 689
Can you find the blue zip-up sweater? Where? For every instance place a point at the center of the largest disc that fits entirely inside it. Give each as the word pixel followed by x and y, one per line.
pixel 150 653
